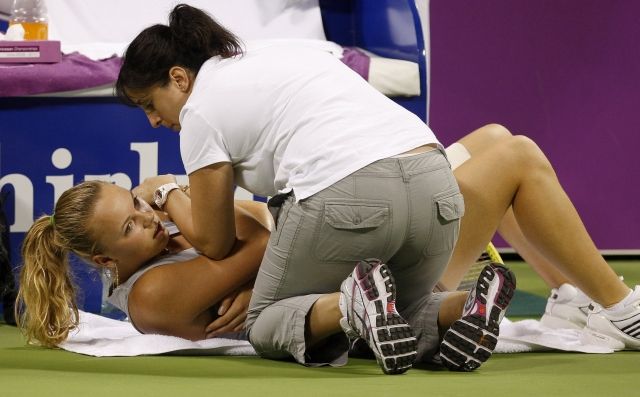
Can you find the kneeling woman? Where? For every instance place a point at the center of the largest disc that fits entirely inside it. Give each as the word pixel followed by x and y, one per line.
pixel 108 226
pixel 160 281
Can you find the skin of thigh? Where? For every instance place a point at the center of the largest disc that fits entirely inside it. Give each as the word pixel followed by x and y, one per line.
pixel 517 175
pixel 476 142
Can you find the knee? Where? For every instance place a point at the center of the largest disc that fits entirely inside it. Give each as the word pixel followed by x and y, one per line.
pixel 485 138
pixel 495 132
pixel 261 332
pixel 277 332
pixel 522 146
pixel 526 153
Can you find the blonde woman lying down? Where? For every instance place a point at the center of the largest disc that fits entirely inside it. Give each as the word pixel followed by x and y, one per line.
pixel 168 288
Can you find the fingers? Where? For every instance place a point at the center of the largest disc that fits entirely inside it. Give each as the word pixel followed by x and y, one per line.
pixel 231 321
pixel 226 303
pixel 235 325
pixel 233 313
pixel 220 322
pixel 144 192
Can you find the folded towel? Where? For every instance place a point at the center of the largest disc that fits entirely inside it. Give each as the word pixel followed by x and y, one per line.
pixel 531 335
pixel 100 336
pixel 74 72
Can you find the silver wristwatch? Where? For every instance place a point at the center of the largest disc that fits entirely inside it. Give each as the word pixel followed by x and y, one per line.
pixel 161 193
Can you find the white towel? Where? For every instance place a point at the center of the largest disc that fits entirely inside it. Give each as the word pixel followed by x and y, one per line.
pixel 100 336
pixel 530 335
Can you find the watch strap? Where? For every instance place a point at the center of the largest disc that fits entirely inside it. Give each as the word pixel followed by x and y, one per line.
pixel 161 193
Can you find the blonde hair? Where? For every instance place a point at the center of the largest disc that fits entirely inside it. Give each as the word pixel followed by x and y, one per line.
pixel 47 309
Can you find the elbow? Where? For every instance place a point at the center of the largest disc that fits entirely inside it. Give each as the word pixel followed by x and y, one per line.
pixel 216 255
pixel 216 251
pixel 255 244
pixel 214 244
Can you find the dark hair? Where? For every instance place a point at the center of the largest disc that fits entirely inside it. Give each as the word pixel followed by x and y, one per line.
pixel 190 39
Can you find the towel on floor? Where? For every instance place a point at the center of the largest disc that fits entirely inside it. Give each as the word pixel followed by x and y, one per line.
pixel 101 336
pixel 530 335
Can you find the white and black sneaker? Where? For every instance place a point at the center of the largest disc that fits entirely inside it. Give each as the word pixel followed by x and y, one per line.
pixel 567 307
pixel 471 339
pixel 618 327
pixel 367 303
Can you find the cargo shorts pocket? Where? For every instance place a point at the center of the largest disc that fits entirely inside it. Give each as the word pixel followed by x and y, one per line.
pixel 448 208
pixel 351 230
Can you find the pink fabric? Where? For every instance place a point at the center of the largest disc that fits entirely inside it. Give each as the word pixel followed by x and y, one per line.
pixel 74 72
pixel 357 60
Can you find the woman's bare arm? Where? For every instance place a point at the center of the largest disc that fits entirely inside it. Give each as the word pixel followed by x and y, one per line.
pixel 175 299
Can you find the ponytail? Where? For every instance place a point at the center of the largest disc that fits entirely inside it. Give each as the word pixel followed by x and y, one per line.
pixel 189 40
pixel 47 309
pixel 46 288
pixel 200 36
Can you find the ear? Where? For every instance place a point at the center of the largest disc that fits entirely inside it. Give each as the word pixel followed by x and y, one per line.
pixel 181 77
pixel 103 260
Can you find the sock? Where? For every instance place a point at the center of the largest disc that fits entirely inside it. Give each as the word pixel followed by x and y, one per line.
pixel 621 305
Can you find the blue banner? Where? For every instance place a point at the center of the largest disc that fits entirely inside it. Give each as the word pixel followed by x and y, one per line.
pixel 48 145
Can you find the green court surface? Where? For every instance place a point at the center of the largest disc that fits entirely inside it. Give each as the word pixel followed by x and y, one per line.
pixel 32 371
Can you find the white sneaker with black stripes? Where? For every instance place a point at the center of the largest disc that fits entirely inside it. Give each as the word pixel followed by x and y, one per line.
pixel 367 303
pixel 567 307
pixel 617 328
pixel 470 340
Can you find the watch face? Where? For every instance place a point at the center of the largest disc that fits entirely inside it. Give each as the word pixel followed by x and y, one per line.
pixel 157 197
pixel 161 193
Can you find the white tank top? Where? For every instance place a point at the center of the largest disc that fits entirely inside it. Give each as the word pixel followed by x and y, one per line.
pixel 120 295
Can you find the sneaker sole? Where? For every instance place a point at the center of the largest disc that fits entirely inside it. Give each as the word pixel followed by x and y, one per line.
pixel 590 336
pixel 600 331
pixel 392 339
pixel 470 341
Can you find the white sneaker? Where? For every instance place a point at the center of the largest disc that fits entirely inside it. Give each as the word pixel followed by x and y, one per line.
pixel 618 328
pixel 567 307
pixel 367 303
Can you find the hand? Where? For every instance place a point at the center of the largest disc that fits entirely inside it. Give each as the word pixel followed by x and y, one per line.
pixel 148 187
pixel 232 311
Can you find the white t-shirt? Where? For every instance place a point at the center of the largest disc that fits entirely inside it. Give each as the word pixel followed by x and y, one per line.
pixel 290 117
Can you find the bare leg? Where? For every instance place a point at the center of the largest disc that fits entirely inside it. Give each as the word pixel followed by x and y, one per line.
pixel 451 310
pixel 510 231
pixel 324 319
pixel 476 142
pixel 516 173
